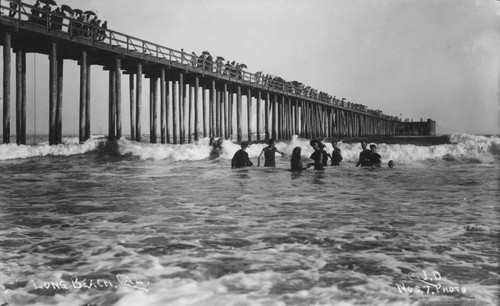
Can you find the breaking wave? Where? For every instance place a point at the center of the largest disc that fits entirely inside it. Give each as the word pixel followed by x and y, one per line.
pixel 463 148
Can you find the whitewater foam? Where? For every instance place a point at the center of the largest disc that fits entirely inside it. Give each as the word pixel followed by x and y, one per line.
pixel 463 148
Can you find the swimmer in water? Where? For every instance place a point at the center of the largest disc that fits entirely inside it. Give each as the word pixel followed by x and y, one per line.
pixel 375 158
pixel 269 154
pixel 364 156
pixel 336 154
pixel 240 158
pixel 216 148
pixel 296 160
pixel 390 164
pixel 319 155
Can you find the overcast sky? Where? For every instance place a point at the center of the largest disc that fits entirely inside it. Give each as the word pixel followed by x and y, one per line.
pixel 422 59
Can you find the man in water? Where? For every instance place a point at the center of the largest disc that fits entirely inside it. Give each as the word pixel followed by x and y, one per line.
pixel 319 156
pixel 390 164
pixel 375 158
pixel 364 156
pixel 240 158
pixel 269 154
pixel 336 154
pixel 216 147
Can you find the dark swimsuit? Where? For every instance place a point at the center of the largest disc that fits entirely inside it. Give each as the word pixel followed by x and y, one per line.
pixel 270 156
pixel 240 160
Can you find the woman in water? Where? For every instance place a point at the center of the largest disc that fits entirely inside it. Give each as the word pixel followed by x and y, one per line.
pixel 296 161
pixel 269 154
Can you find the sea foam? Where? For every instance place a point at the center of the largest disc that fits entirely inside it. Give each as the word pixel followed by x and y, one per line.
pixel 462 148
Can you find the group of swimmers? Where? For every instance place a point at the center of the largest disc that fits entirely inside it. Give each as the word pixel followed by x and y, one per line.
pixel 367 158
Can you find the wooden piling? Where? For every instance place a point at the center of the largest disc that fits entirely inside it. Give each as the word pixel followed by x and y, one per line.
pixel 230 113
pixel 52 93
pixel 182 102
pixel 138 100
pixel 238 114
pixel 174 111
pixel 19 96
pixel 204 111
pixel 163 106
pixel 266 115
pixel 279 113
pixel 273 124
pixel 196 108
pixel 23 99
pixel 87 101
pixel 168 101
pixel 217 114
pixel 259 101
pixel 296 117
pixel 132 105
pixel 6 85
pixel 112 105
pixel 190 112
pixel 226 117
pixel 118 97
pixel 153 111
pixel 249 114
pixel 59 101
pixel 213 98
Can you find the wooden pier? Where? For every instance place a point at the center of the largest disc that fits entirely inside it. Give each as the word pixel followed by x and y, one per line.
pixel 197 98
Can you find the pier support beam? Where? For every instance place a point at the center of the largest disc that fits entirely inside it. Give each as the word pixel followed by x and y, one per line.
pixel 138 100
pixel 182 102
pixel 266 115
pixel 238 114
pixel 59 100
pixel 132 105
pixel 226 110
pixel 273 132
pixel 259 101
pixel 118 97
pixel 167 111
pixel 296 121
pixel 87 102
pixel 174 111
pixel 83 96
pixel 249 114
pixel 153 112
pixel 196 108
pixel 52 93
pixel 112 105
pixel 163 106
pixel 219 114
pixel 20 97
pixel 7 44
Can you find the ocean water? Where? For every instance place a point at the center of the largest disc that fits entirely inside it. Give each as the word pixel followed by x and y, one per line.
pixel 150 224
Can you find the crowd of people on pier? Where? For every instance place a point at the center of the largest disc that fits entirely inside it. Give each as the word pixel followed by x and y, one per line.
pixel 319 158
pixel 206 62
pixel 80 23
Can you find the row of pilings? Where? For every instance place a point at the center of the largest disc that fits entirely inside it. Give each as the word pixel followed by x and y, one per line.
pixel 192 104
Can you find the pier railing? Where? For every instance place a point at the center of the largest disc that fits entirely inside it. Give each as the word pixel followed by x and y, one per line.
pixel 50 21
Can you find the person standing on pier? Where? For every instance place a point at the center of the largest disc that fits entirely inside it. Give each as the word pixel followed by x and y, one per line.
pixel 364 156
pixel 13 8
pixel 269 154
pixel 240 158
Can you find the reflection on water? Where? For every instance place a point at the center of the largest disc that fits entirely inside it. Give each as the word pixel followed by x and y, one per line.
pixel 95 229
